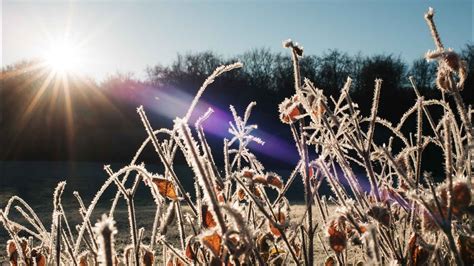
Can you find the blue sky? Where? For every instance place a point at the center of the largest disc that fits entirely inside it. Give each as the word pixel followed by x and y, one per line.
pixel 128 36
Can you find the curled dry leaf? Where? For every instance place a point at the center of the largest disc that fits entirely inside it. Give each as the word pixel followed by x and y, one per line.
pixel 289 110
pixel 84 259
pixel 213 243
pixel 363 228
pixel 166 188
pixel 13 252
pixel 337 236
pixel 37 257
pixel 173 261
pixel 293 113
pixel 418 251
pixel 315 103
pixel 270 179
pixel 260 180
pixel 297 249
pixel 11 247
pixel 248 173
pixel 255 191
pixel 219 194
pixel 190 251
pixel 220 198
pixel 281 222
pixel 207 219
pixel 274 180
pixel 148 258
pixel 330 261
pixel 311 171
pixel 241 194
pixel 319 110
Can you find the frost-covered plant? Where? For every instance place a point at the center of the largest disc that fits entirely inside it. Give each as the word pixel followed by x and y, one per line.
pixel 404 218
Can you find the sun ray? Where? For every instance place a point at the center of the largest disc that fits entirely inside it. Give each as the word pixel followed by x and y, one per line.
pixel 11 74
pixel 26 115
pixel 70 132
pixel 99 96
pixel 36 76
pixel 31 106
pixel 54 97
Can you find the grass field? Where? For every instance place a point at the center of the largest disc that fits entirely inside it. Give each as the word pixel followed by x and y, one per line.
pixel 145 215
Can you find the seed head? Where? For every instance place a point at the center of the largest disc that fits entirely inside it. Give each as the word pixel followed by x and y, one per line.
pixel 461 197
pixel 105 231
pixel 380 214
pixel 293 45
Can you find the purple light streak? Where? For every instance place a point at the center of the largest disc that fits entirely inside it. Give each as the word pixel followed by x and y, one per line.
pixel 172 102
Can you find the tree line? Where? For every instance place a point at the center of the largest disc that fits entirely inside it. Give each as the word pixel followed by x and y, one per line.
pixel 93 120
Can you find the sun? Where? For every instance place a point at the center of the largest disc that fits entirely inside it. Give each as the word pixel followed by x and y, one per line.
pixel 64 57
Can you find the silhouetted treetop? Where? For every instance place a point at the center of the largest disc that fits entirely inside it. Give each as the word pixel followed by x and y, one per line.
pixel 266 78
